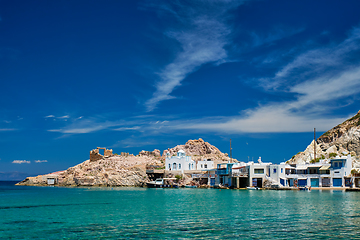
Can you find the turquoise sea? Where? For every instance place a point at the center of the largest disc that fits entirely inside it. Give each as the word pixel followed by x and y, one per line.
pixel 119 213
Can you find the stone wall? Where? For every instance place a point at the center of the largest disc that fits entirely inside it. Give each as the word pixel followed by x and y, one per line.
pixel 95 154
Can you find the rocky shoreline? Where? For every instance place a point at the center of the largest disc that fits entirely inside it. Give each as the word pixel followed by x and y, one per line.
pixel 125 170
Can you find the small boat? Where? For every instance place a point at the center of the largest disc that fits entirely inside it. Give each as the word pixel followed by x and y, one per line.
pixel 252 188
pixel 190 186
pixel 304 188
pixel 162 183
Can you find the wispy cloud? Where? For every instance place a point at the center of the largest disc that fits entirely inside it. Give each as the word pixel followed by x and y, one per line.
pixel 7 129
pixel 202 37
pixel 126 128
pixel 20 161
pixel 41 161
pixel 318 61
pixel 320 80
pixel 87 126
pixel 64 118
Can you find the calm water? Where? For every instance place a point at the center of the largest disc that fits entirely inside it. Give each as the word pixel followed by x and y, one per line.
pixel 115 213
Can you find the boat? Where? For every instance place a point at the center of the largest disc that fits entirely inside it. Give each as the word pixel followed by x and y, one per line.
pixel 306 188
pixel 253 188
pixel 162 183
pixel 190 186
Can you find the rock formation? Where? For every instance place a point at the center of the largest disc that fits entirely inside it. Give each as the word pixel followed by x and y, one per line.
pixel 110 171
pixel 341 140
pixel 200 150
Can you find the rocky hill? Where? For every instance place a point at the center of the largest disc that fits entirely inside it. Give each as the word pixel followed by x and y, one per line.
pixel 125 169
pixel 109 171
pixel 341 140
pixel 200 150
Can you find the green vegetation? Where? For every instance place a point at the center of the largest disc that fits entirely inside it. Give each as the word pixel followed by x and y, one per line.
pixel 178 177
pixel 160 168
pixel 353 171
pixel 332 155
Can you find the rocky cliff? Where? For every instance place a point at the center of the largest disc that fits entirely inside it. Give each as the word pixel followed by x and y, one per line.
pixel 341 140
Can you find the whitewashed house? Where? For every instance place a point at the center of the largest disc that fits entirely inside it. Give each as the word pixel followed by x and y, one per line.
pixel 206 164
pixel 180 162
pixel 258 173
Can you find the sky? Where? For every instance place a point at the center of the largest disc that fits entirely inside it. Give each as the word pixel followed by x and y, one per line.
pixel 145 75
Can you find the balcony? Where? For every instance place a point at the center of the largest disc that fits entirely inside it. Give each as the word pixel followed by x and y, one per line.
pixel 205 175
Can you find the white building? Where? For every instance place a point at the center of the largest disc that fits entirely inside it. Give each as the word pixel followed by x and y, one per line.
pixel 206 164
pixel 179 162
pixel 326 173
pixel 258 173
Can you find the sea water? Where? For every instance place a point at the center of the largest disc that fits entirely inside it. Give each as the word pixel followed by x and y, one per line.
pixel 119 213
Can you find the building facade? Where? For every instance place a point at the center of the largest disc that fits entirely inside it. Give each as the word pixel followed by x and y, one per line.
pixel 179 162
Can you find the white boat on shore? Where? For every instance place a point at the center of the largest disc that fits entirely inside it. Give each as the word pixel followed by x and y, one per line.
pixel 253 188
pixel 162 183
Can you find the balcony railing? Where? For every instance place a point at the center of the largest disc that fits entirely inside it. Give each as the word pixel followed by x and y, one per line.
pixel 221 172
pixel 198 175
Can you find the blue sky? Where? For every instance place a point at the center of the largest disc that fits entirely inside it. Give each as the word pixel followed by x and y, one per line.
pixel 139 75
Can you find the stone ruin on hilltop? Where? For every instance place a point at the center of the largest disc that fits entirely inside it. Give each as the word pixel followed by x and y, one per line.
pixel 95 154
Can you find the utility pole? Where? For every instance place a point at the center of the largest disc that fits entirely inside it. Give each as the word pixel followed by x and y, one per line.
pixel 230 151
pixel 314 144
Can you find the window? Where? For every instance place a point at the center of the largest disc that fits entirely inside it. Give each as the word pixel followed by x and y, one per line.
pixel 281 170
pixel 189 166
pixel 174 166
pixel 201 166
pixel 205 166
pixel 274 170
pixel 169 166
pixel 179 165
pixel 258 171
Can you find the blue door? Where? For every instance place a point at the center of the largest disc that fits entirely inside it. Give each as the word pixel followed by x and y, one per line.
pixel 337 182
pixel 302 182
pixel 314 182
pixel 212 181
pixel 291 182
pixel 282 181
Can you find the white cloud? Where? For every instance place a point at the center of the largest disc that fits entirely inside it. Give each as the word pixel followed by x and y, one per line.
pixel 87 126
pixel 126 128
pixel 20 161
pixel 337 83
pixel 49 116
pixel 7 129
pixel 64 117
pixel 202 38
pixel 41 161
pixel 319 61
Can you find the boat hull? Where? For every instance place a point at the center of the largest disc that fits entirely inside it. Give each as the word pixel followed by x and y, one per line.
pixel 152 185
